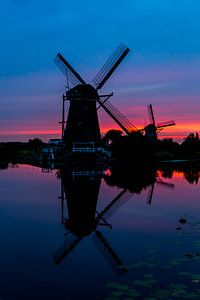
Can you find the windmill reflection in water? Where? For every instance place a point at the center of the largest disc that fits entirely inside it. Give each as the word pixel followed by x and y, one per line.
pixel 81 218
pixel 158 181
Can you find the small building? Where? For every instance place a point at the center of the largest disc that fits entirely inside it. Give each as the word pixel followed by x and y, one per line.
pixel 55 141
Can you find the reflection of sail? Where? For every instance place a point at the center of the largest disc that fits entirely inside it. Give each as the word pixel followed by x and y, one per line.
pixel 108 253
pixel 116 203
pixel 164 183
pixel 150 193
pixel 151 189
pixel 69 244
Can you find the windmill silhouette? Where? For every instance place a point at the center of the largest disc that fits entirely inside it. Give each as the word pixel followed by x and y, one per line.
pixel 81 219
pixel 152 129
pixel 81 131
pixel 79 216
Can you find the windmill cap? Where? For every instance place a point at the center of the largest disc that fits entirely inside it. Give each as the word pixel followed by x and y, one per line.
pixel 84 91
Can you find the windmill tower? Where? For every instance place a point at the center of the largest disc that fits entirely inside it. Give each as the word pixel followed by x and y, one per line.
pixel 82 129
pixel 152 129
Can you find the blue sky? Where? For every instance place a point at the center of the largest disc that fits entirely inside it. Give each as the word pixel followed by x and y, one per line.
pixel 162 67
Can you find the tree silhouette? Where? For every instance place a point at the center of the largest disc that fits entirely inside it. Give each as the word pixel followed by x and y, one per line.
pixel 112 136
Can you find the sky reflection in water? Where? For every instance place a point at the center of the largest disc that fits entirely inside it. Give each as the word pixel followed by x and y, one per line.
pixel 31 233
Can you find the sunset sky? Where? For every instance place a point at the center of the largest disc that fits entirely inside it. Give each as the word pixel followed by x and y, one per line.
pixel 162 68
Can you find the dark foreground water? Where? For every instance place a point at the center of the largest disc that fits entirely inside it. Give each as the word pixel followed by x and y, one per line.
pixel 70 235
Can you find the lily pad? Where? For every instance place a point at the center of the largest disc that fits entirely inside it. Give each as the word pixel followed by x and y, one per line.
pixel 184 273
pixel 118 286
pixel 139 265
pixel 122 267
pixel 148 275
pixel 151 281
pixel 195 276
pixel 167 266
pixel 117 293
pixel 178 286
pixel 196 280
pixel 190 296
pixel 151 265
pixel 132 293
pixel 140 282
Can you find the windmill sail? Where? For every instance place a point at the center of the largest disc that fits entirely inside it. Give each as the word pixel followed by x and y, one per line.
pixel 165 124
pixel 151 114
pixel 115 204
pixel 68 70
pixel 150 193
pixel 69 244
pixel 109 67
pixel 109 255
pixel 117 116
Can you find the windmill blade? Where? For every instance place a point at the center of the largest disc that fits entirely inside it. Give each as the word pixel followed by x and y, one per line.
pixel 151 114
pixel 109 67
pixel 106 65
pixel 150 194
pixel 166 124
pixel 68 70
pixel 120 116
pixel 109 255
pixel 115 204
pixel 151 190
pixel 62 198
pixel 69 244
pixel 117 116
pixel 166 184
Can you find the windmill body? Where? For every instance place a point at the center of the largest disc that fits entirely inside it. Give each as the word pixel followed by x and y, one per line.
pixel 81 194
pixel 82 126
pixel 151 131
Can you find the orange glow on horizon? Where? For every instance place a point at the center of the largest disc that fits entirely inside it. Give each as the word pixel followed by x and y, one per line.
pixel 27 132
pixel 179 131
pixel 176 174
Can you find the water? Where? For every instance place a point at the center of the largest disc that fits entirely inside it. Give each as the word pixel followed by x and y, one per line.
pixel 100 245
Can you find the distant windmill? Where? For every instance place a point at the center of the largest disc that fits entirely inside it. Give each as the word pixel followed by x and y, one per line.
pixel 82 126
pixel 152 129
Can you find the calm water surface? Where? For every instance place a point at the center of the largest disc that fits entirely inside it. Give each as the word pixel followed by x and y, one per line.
pixel 71 235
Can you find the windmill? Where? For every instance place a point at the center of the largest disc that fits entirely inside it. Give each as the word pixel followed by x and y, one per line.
pixel 152 129
pixel 81 131
pixel 83 220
